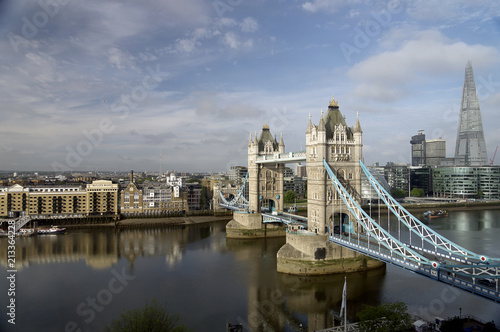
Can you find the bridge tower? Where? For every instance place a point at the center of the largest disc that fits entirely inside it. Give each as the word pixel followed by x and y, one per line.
pixel 265 181
pixel 310 252
pixel 265 189
pixel 341 146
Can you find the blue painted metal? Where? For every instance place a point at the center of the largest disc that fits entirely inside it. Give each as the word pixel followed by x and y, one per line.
pixel 453 267
pixel 422 231
pixel 371 227
pixel 282 158
pixel 234 204
pixel 287 219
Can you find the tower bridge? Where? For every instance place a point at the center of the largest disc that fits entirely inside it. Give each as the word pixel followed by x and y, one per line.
pixel 338 236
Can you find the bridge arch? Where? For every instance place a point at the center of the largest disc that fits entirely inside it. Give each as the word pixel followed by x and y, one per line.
pixel 269 204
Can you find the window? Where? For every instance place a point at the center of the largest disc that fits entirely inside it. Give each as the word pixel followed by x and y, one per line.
pixel 268 147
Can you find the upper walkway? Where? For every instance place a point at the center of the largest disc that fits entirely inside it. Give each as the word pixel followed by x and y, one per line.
pixel 282 158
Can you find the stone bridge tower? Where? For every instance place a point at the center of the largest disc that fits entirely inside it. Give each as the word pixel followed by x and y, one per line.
pixel 310 252
pixel 265 180
pixel 341 146
pixel 265 189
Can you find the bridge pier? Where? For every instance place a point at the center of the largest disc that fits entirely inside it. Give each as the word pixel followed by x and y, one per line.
pixel 250 226
pixel 307 253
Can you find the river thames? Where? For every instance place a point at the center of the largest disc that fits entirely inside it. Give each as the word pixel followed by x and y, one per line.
pixel 86 278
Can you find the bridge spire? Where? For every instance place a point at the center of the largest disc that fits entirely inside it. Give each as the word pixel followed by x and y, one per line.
pixel 357 126
pixel 309 125
pixel 321 125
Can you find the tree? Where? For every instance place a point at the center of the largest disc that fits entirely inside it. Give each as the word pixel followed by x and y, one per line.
pixel 203 199
pixel 417 192
pixel 480 194
pixel 398 193
pixel 290 196
pixel 152 317
pixel 387 317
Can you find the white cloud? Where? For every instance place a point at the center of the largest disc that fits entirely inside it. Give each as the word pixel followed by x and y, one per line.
pixel 451 11
pixel 185 45
pixel 227 22
pixel 120 59
pixel 427 54
pixel 331 6
pixel 231 40
pixel 249 24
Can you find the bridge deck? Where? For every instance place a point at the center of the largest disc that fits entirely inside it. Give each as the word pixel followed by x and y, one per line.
pixel 442 273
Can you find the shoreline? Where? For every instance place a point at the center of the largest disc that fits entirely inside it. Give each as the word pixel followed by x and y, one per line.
pixel 415 209
pixel 151 222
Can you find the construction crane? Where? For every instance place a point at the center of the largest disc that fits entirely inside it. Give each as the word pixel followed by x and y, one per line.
pixel 494 155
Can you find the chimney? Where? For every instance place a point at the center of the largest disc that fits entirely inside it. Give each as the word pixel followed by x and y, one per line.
pixel 131 176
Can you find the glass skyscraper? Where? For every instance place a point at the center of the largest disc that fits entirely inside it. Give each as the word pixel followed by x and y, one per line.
pixel 471 147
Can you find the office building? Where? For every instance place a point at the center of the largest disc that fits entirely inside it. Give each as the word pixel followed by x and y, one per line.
pixel 470 147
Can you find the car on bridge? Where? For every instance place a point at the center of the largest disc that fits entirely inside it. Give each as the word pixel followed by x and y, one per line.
pixel 489 282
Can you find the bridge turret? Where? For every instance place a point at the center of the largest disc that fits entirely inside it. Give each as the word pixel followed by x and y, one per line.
pixel 281 145
pixel 358 140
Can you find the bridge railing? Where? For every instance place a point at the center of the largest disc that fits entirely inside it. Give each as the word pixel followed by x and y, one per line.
pixel 371 227
pixel 415 226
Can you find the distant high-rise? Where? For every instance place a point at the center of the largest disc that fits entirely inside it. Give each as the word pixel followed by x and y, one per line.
pixel 471 147
pixel 418 149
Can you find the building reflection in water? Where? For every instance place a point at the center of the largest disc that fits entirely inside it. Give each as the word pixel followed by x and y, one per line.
pixel 101 249
pixel 276 300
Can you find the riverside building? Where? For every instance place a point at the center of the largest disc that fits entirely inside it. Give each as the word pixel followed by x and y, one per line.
pixel 98 198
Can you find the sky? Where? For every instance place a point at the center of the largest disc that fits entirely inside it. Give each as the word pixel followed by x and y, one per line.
pixel 151 85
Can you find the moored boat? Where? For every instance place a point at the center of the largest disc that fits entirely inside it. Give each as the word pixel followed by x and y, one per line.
pixel 435 214
pixel 51 230
pixel 26 232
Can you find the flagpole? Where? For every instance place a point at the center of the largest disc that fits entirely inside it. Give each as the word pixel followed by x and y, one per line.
pixel 345 305
pixel 343 308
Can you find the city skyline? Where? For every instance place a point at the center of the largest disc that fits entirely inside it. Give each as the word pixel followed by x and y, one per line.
pixel 111 85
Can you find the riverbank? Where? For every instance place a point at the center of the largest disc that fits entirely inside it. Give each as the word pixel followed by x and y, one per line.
pixel 152 222
pixel 423 207
pixel 418 208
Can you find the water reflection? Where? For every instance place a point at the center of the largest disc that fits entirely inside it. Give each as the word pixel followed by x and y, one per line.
pixel 101 249
pixel 277 302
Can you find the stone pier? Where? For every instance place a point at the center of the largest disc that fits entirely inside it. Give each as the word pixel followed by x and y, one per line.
pixel 249 226
pixel 307 253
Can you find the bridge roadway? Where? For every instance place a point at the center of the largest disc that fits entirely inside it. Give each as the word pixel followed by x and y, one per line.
pixel 470 275
pixel 286 218
pixel 234 207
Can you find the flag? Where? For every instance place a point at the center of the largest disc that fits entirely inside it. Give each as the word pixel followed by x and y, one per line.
pixel 344 295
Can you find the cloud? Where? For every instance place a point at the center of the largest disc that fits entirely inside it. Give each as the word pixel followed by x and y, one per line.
pixel 425 55
pixel 249 24
pixel 330 6
pixel 451 12
pixel 120 59
pixel 231 40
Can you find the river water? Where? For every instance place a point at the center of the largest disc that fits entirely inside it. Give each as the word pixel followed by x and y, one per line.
pixel 84 279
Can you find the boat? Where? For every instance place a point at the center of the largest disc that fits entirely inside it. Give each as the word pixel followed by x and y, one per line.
pixel 435 214
pixel 51 230
pixel 25 232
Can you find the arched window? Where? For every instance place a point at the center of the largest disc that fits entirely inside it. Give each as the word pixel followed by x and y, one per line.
pixel 268 147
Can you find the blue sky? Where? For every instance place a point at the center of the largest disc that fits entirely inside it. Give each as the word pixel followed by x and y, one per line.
pixel 108 85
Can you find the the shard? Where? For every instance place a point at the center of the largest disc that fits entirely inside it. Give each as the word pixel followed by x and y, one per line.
pixel 471 147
